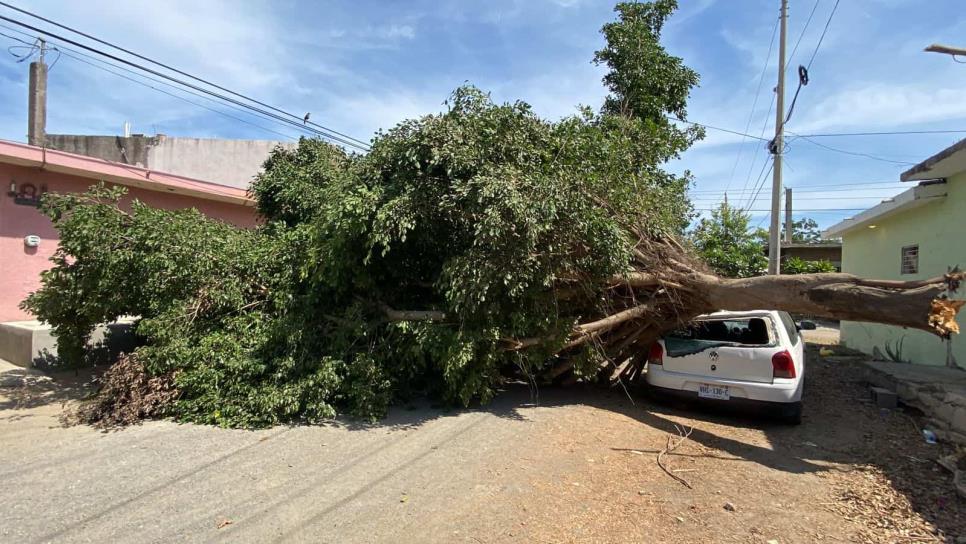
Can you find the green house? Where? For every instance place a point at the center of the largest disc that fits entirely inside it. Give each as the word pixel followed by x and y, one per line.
pixel 917 234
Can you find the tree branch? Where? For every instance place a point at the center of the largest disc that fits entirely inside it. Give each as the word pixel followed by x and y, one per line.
pixel 612 321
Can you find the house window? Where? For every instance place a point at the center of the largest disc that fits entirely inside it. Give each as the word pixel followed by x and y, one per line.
pixel 910 260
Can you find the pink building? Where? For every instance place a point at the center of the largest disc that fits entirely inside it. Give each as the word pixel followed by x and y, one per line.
pixel 28 239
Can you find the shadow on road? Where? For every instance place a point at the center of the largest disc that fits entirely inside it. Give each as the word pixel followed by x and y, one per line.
pixel 24 388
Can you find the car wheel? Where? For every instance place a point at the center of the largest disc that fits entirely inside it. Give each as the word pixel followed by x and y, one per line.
pixel 792 413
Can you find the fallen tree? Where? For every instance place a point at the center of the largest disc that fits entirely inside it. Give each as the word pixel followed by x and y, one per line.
pixel 466 248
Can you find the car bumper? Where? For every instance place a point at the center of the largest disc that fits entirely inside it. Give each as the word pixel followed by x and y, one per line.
pixel 780 391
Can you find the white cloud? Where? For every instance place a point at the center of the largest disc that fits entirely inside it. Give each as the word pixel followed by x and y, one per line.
pixel 397 31
pixel 880 104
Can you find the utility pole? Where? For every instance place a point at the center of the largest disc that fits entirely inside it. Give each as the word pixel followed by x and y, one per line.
pixel 774 246
pixel 788 215
pixel 37 100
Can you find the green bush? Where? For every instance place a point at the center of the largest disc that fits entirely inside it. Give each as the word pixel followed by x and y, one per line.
pixel 797 265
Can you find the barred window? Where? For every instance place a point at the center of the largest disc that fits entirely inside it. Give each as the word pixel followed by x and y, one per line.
pixel 910 260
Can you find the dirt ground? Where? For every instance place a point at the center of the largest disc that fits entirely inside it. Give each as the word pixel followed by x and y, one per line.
pixel 849 473
pixel 579 465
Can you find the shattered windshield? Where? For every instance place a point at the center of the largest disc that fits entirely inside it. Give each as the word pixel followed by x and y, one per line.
pixel 705 334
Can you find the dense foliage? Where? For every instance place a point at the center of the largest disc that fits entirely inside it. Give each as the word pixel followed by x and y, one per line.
pixel 411 269
pixel 725 242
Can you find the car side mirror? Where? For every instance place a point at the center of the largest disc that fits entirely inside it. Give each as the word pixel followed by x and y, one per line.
pixel 807 326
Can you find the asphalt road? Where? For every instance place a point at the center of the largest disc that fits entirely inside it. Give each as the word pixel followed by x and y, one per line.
pixel 415 477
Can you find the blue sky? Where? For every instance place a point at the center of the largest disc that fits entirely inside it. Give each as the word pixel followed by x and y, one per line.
pixel 362 65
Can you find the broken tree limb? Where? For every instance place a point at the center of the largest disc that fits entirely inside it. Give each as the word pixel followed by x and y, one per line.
pixel 671 446
pixel 917 305
pixel 612 321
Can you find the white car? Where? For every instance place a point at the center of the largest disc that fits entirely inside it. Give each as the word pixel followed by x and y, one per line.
pixel 754 358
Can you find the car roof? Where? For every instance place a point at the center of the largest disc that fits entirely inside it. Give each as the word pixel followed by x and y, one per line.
pixel 730 314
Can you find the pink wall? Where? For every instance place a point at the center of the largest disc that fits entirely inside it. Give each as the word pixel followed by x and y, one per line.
pixel 20 266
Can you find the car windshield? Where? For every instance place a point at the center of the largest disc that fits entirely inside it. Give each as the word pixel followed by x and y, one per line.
pixel 704 334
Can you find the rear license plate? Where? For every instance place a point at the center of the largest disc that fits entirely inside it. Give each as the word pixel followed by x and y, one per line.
pixel 719 392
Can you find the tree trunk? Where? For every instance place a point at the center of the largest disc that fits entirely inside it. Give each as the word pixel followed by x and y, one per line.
pixel 919 305
pixel 681 292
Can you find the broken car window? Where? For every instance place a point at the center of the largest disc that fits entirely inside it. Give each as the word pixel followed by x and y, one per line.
pixel 706 334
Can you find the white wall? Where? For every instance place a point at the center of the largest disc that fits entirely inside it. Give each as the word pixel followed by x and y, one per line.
pixel 226 162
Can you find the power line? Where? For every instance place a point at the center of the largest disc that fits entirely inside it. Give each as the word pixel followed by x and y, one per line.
pixel 712 127
pixel 809 210
pixel 850 184
pixel 802 35
pixel 754 159
pixel 891 185
pixel 802 71
pixel 297 124
pixel 102 65
pixel 762 177
pixel 710 194
pixel 754 104
pixel 869 197
pixel 853 153
pixel 294 117
pixel 824 31
pixel 888 133
pixel 78 59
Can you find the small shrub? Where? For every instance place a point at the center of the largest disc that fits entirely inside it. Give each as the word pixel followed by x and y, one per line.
pixel 797 265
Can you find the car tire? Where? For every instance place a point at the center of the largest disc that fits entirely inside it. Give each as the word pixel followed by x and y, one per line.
pixel 792 413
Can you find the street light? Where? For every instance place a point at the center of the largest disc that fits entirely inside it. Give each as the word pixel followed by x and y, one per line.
pixel 947 50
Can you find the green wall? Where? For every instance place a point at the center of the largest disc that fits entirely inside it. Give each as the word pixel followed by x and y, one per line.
pixel 939 228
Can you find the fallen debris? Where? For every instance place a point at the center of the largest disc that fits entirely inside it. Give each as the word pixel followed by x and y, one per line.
pixel 683 435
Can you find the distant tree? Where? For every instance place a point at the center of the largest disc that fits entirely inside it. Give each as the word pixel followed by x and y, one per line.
pixel 804 231
pixel 727 245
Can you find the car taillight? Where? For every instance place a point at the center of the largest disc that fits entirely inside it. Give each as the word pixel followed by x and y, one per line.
pixel 655 355
pixel 782 364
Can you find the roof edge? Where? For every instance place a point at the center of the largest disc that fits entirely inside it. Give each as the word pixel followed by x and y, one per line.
pixel 926 165
pixel 122 174
pixel 913 197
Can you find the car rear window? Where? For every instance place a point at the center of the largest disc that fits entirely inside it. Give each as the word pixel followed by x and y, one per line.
pixel 701 335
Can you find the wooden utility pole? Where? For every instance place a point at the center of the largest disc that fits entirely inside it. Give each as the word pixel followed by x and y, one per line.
pixel 788 215
pixel 774 245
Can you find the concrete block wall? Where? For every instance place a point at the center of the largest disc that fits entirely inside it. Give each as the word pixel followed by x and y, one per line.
pixel 234 163
pixel 30 344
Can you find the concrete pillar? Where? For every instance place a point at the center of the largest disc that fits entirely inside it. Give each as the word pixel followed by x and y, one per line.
pixel 37 104
pixel 788 215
